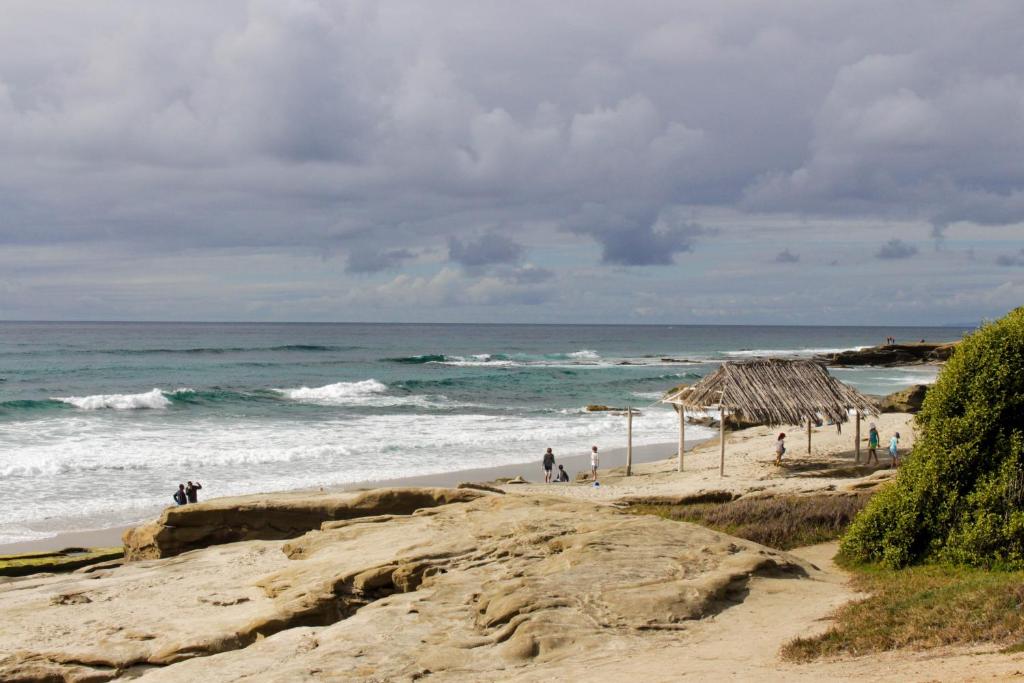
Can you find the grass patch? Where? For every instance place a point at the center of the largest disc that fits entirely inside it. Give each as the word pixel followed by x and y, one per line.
pixel 782 522
pixel 922 607
pixel 60 561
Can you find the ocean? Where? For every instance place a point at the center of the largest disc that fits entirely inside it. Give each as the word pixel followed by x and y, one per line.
pixel 99 422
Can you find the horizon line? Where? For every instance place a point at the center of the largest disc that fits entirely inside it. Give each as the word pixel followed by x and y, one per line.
pixel 522 324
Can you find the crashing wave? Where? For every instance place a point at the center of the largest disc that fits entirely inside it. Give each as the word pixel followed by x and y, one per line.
pixel 150 400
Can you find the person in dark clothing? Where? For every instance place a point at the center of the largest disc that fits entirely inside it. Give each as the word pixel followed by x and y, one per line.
pixel 561 476
pixel 191 492
pixel 179 495
pixel 549 462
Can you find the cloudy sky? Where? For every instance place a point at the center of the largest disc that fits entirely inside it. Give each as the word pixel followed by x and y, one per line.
pixel 577 161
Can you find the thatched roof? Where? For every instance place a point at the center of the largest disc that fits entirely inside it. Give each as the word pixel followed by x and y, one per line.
pixel 775 392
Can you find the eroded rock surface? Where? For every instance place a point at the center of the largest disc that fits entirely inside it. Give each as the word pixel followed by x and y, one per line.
pixel 908 400
pixel 893 354
pixel 463 592
pixel 248 518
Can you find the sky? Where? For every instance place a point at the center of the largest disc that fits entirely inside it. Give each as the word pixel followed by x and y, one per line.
pixel 788 162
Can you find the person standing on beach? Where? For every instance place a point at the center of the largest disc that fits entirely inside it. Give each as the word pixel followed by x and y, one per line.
pixel 191 492
pixel 179 495
pixel 780 448
pixel 549 463
pixel 872 443
pixel 595 461
pixel 894 446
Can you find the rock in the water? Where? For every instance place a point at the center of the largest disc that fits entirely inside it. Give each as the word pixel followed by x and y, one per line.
pixel 907 401
pixel 892 354
pixel 228 520
pixel 478 590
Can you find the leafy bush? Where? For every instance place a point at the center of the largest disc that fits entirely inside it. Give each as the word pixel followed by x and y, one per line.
pixel 959 496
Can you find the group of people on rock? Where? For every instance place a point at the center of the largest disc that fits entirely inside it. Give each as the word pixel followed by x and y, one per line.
pixel 874 439
pixel 561 476
pixel 187 493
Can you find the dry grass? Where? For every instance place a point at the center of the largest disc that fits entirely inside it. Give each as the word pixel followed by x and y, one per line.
pixel 782 522
pixel 922 607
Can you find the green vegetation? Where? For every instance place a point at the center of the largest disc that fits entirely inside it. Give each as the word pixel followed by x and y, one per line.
pixel 959 497
pixel 61 561
pixel 782 522
pixel 922 607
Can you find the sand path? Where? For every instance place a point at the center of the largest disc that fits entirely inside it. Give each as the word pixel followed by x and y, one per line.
pixel 743 642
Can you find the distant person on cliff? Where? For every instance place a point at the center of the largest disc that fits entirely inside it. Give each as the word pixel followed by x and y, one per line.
pixel 561 476
pixel 179 495
pixel 780 448
pixel 595 461
pixel 549 463
pixel 894 449
pixel 192 492
pixel 872 443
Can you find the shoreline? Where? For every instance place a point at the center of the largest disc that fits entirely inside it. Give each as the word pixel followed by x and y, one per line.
pixel 529 470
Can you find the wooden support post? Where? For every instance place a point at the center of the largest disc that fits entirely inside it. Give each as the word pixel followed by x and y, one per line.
pixel 808 436
pixel 721 436
pixel 629 441
pixel 682 435
pixel 856 437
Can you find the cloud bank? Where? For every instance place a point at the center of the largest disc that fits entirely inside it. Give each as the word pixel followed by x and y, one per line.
pixel 256 158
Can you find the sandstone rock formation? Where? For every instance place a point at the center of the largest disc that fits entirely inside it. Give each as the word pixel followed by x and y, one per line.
pixel 473 591
pixel 262 517
pixel 907 401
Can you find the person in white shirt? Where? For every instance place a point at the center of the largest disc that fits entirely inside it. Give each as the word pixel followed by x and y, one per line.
pixel 595 461
pixel 780 448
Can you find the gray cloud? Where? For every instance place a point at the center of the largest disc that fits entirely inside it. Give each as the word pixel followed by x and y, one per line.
pixel 488 249
pixel 786 256
pixel 369 260
pixel 896 249
pixel 261 130
pixel 1016 259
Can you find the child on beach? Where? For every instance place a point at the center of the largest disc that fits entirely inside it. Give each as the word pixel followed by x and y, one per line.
pixel 872 443
pixel 595 461
pixel 894 444
pixel 561 476
pixel 780 448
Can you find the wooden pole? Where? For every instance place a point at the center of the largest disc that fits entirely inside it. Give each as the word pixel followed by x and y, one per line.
pixel 682 435
pixel 808 436
pixel 856 437
pixel 721 437
pixel 629 441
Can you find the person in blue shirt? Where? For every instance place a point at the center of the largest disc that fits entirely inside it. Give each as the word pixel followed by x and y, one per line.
pixel 894 444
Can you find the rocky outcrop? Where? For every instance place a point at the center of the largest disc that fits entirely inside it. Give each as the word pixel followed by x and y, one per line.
pixel 248 518
pixel 889 355
pixel 907 401
pixel 476 591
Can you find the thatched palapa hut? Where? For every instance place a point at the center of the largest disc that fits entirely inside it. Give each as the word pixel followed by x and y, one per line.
pixel 772 392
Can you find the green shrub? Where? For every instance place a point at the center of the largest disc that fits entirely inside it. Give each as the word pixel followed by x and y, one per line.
pixel 959 496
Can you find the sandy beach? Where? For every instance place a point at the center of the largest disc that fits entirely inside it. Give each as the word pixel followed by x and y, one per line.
pixel 531 471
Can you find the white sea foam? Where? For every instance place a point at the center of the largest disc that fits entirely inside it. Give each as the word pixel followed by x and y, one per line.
pixel 585 354
pixel 339 392
pixel 131 467
pixel 785 353
pixel 154 399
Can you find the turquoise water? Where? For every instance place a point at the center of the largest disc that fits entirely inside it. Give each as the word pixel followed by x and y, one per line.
pixel 100 421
